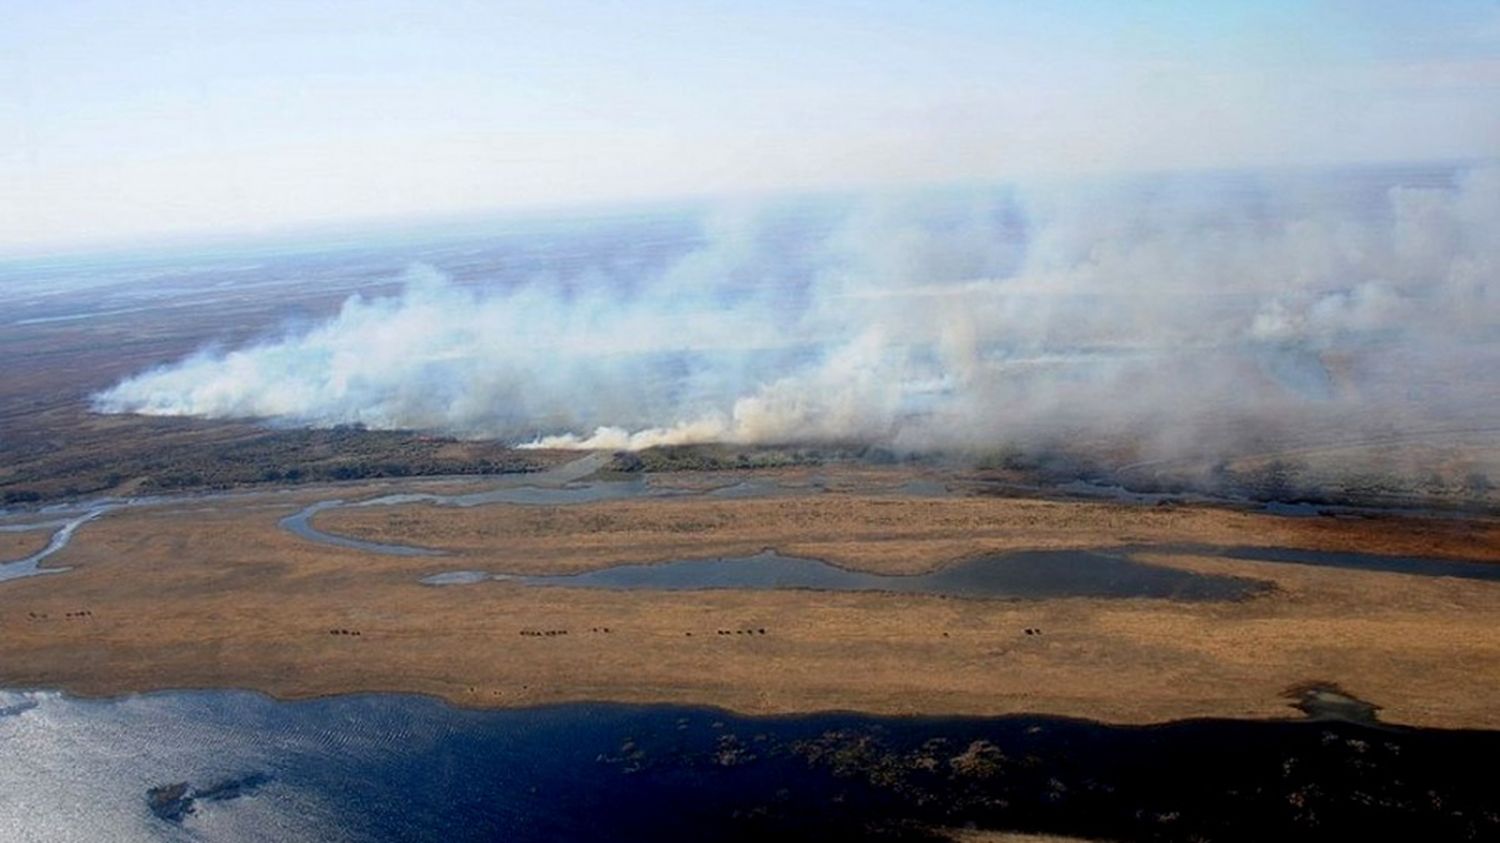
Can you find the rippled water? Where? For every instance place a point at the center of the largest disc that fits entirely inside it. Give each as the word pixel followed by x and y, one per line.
pixel 231 766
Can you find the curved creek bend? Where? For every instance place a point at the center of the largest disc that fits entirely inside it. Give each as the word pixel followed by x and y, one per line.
pixel 1110 572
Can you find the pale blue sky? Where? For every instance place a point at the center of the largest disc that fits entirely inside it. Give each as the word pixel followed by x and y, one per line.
pixel 143 118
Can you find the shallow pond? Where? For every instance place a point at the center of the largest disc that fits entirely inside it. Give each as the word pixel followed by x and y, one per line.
pixel 1417 565
pixel 1023 574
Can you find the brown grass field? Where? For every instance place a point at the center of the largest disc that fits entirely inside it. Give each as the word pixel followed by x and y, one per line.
pixel 216 594
pixel 20 545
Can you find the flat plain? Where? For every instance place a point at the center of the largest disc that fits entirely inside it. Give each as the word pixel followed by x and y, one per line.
pixel 217 594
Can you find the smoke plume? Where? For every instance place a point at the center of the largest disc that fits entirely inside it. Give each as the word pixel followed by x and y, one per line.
pixel 1175 312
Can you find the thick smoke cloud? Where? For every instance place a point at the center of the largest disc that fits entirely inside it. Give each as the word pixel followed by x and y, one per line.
pixel 1174 312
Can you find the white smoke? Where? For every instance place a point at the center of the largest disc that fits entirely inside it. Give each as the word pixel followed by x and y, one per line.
pixel 1169 309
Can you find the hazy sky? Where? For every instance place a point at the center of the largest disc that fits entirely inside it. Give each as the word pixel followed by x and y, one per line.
pixel 141 118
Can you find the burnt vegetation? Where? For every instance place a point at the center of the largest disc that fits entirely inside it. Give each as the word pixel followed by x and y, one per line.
pixel 669 458
pixel 157 456
pixel 52 446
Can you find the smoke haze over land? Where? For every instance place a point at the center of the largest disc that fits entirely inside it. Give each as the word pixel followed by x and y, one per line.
pixel 1179 312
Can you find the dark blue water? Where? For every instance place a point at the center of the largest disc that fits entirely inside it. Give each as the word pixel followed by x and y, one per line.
pixel 1420 566
pixel 1022 574
pixel 230 765
pixel 1027 574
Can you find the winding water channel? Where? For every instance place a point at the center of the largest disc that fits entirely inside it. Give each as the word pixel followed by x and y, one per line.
pixel 1112 572
pixel 31 566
